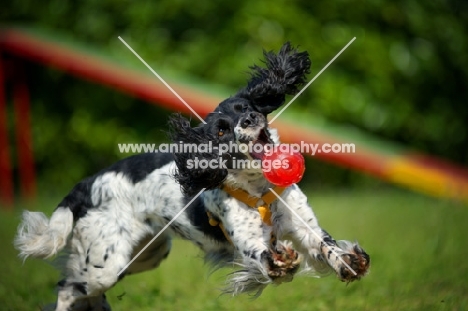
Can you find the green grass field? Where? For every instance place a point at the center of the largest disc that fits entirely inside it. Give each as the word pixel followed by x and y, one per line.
pixel 418 248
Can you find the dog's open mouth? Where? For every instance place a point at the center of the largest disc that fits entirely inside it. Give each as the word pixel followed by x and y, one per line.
pixel 259 145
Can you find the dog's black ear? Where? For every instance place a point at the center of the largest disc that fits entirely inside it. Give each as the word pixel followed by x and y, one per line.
pixel 284 74
pixel 190 176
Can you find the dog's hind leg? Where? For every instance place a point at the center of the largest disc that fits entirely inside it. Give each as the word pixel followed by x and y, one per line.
pixel 101 247
pixel 81 295
pixel 94 303
pixel 153 253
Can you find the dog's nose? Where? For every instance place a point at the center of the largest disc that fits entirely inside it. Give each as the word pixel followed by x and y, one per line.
pixel 250 120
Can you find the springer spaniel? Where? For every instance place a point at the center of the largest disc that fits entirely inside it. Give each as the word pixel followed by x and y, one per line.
pixel 227 211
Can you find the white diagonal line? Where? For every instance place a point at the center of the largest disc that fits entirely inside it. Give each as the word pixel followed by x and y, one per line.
pixel 312 230
pixel 310 82
pixel 164 82
pixel 160 232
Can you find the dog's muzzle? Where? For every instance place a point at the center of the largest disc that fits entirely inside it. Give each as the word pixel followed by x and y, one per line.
pixel 252 129
pixel 252 119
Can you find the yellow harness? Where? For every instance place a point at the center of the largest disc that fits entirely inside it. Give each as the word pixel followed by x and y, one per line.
pixel 264 203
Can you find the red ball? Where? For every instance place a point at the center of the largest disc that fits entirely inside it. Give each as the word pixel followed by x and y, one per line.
pixel 283 168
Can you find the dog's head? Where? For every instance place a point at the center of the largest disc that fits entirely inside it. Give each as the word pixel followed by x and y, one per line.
pixel 238 120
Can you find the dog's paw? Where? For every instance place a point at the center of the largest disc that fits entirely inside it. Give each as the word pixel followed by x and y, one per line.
pixel 283 262
pixel 356 259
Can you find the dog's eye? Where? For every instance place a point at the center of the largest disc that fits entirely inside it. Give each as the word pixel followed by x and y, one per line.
pixel 244 108
pixel 220 132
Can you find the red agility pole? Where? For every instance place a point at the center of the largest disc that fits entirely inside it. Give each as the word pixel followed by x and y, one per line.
pixel 6 176
pixel 23 135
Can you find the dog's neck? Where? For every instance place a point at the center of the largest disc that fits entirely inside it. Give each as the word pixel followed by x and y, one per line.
pixel 252 181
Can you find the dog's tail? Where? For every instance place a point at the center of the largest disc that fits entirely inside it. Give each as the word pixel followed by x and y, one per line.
pixel 40 237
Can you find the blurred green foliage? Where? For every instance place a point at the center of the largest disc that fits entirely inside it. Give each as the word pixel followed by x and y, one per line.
pixel 404 78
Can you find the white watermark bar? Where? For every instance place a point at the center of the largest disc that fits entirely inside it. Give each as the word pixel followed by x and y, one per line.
pixel 232 147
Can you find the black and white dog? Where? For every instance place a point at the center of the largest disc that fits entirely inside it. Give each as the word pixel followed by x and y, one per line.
pixel 112 215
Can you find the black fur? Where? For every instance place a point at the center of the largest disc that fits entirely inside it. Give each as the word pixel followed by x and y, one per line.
pixel 196 212
pixel 283 74
pixel 137 167
pixel 193 180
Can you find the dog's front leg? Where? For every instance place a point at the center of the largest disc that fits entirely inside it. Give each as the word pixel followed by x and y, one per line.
pixel 296 220
pixel 262 262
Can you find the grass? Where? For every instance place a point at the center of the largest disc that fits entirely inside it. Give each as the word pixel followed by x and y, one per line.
pixel 418 247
